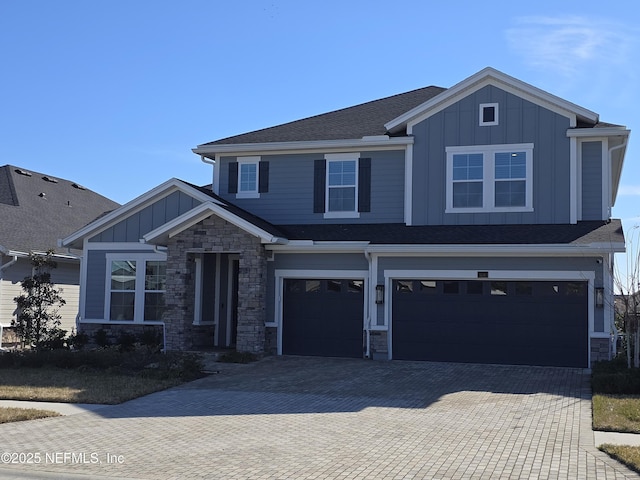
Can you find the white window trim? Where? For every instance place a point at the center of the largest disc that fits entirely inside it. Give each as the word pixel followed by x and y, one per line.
pixel 341 157
pixel 282 274
pixel 481 114
pixel 249 193
pixel 138 313
pixel 488 180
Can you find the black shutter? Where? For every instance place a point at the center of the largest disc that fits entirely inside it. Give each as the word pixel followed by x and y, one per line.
pixel 233 177
pixel 364 185
pixel 263 179
pixel 319 185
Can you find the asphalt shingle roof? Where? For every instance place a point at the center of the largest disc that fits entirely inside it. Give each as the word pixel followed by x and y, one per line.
pixel 36 212
pixel 581 233
pixel 366 119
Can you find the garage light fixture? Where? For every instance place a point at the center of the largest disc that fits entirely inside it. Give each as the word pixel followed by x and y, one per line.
pixel 379 294
pixel 599 297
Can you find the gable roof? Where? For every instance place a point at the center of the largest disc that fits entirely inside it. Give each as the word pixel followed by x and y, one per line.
pixel 37 209
pixel 364 120
pixel 491 76
pixel 210 204
pixel 389 120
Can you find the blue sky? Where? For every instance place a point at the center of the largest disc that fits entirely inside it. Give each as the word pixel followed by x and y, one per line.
pixel 114 94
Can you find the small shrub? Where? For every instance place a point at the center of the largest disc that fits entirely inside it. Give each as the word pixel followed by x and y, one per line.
pixel 238 357
pixel 126 342
pixel 613 377
pixel 77 341
pixel 101 337
pixel 55 340
pixel 151 339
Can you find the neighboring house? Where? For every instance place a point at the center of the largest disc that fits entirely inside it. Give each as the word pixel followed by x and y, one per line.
pixel 35 211
pixel 466 224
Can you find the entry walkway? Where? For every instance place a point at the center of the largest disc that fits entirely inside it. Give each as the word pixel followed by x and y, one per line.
pixel 312 418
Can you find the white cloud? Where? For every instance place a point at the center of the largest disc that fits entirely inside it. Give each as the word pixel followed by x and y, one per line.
pixel 568 43
pixel 629 190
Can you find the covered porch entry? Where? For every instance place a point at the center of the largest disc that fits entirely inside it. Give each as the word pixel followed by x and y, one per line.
pixel 216 297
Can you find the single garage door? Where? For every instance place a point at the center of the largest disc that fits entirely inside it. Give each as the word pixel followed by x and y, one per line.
pixel 508 322
pixel 323 317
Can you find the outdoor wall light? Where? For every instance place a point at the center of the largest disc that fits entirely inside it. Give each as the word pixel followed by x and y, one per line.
pixel 379 294
pixel 599 297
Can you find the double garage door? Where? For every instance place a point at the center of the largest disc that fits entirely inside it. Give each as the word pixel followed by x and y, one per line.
pixel 508 322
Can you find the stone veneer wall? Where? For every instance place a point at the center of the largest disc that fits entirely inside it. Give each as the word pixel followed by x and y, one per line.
pixel 378 345
pixel 600 350
pixel 215 235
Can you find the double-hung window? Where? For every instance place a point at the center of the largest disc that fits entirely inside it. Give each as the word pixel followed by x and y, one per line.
pixel 490 178
pixel 342 185
pixel 136 284
pixel 248 177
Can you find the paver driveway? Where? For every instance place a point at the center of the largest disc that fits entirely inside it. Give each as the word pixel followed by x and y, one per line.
pixel 311 418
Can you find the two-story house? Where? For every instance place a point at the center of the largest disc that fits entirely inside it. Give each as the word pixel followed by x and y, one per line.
pixel 465 224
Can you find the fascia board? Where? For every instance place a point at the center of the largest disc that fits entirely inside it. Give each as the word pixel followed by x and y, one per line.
pixel 598 132
pixel 134 206
pixel 490 76
pixel 497 250
pixel 373 143
pixel 201 212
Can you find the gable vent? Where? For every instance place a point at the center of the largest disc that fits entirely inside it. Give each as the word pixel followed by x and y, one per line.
pixel 78 186
pixel 26 173
pixel 50 179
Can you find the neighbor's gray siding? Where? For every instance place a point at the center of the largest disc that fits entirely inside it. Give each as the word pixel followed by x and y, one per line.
pixel 94 291
pixel 520 121
pixel 583 264
pixel 155 215
pixel 592 181
pixel 290 196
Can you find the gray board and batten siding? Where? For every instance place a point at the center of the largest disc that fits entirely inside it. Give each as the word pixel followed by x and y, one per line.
pixel 520 121
pixel 592 181
pixel 132 228
pixel 482 264
pixel 289 199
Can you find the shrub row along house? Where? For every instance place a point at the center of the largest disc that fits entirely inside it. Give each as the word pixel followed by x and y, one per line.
pixel 465 224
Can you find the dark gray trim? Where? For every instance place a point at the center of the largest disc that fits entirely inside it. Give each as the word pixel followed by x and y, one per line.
pixel 319 185
pixel 233 177
pixel 364 185
pixel 263 178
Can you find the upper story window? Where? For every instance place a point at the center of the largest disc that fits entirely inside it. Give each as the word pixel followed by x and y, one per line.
pixel 488 114
pixel 490 178
pixel 248 176
pixel 341 185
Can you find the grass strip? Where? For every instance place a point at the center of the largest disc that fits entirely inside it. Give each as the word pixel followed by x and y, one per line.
pixel 616 413
pixel 74 386
pixel 629 456
pixel 11 414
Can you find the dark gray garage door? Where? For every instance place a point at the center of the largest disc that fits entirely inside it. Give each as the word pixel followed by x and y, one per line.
pixel 528 323
pixel 323 317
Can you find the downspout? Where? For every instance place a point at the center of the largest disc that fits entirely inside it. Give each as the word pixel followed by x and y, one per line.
pixel 367 329
pixel 213 171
